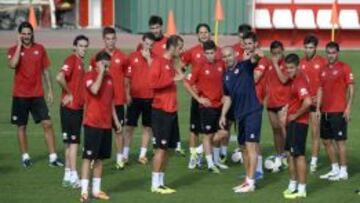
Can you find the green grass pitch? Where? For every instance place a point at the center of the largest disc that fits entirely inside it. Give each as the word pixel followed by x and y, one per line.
pixel 43 184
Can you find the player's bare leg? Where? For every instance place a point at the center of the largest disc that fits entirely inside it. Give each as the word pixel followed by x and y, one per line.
pixel 315 141
pixel 146 136
pixel 330 150
pixel 54 161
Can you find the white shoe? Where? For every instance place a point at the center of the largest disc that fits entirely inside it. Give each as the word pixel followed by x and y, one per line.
pixel 340 176
pixel 313 168
pixel 329 175
pixel 222 166
pixel 245 188
pixel 192 161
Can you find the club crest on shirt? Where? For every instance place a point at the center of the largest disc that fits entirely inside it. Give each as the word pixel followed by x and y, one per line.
pixel 303 91
pixel 117 61
pixel 22 53
pixel 136 60
pixel 323 74
pixel 335 72
pixel 316 66
pixel 207 72
pixel 167 67
pixel 36 52
pixel 79 67
pixel 303 67
pixel 219 69
pixel 198 55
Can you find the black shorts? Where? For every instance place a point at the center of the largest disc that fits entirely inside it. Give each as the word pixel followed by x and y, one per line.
pixel 296 138
pixel 195 126
pixel 120 112
pixel 71 125
pixel 22 106
pixel 250 128
pixel 312 109
pixel 165 127
pixel 275 109
pixel 97 143
pixel 136 108
pixel 333 126
pixel 209 120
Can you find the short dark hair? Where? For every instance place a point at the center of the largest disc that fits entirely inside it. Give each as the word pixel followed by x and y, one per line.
pixel 78 38
pixel 102 55
pixel 154 19
pixel 209 44
pixel 172 41
pixel 148 35
pixel 311 39
pixel 293 59
pixel 332 45
pixel 244 28
pixel 108 30
pixel 25 24
pixel 200 25
pixel 250 35
pixel 276 44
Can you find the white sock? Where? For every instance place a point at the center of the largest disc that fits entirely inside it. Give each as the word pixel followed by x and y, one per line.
pixel 25 156
pixel 224 150
pixel 155 180
pixel 178 145
pixel 259 166
pixel 96 183
pixel 200 149
pixel 74 176
pixel 161 178
pixel 335 167
pixel 126 151
pixel 250 181
pixel 209 161
pixel 343 169
pixel 143 151
pixel 292 185
pixel 119 157
pixel 216 152
pixel 192 150
pixel 67 174
pixel 313 160
pixel 52 157
pixel 84 185
pixel 301 188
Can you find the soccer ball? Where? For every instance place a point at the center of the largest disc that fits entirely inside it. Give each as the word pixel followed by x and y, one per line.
pixel 271 165
pixel 237 157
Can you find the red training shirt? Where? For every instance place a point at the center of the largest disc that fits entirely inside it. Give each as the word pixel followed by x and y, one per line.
pixel 118 69
pixel 28 73
pixel 208 78
pixel 139 75
pixel 335 79
pixel 98 108
pixel 74 72
pixel 299 90
pixel 162 73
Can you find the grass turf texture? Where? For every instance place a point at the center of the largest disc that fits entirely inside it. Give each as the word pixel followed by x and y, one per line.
pixel 41 183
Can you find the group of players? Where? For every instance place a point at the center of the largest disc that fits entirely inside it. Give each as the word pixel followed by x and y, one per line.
pixel 229 85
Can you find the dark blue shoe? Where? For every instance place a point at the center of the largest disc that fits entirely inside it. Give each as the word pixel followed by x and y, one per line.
pixel 57 163
pixel 259 175
pixel 27 163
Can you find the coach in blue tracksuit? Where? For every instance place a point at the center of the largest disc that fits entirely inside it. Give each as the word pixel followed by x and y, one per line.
pixel 239 90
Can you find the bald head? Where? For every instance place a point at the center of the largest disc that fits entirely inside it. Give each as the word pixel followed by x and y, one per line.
pixel 228 56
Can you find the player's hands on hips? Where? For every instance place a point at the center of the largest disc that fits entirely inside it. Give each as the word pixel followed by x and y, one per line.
pixel 347 114
pixel 68 99
pixel 222 122
pixel 204 101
